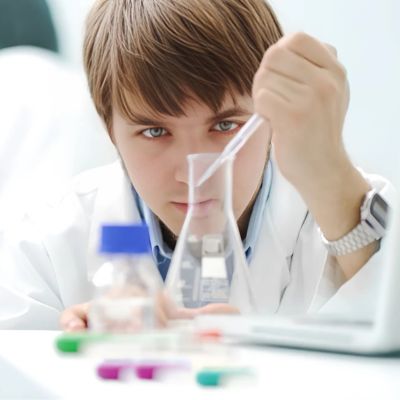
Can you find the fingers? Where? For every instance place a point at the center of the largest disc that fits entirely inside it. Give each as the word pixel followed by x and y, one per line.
pixel 272 106
pixel 332 49
pixel 74 319
pixel 190 313
pixel 286 88
pixel 163 310
pixel 304 64
pixel 186 313
pixel 311 49
pixel 161 318
pixel 284 62
pixel 308 51
pixel 170 311
pixel 218 309
pixel 295 74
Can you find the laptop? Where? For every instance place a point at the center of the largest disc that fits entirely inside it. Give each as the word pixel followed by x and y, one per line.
pixel 330 333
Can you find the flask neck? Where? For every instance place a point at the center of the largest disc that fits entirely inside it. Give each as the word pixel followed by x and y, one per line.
pixel 217 187
pixel 210 204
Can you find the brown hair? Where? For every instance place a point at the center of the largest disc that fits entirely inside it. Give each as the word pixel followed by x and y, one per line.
pixel 159 53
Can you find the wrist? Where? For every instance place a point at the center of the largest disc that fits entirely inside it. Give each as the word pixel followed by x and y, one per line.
pixel 327 179
pixel 355 248
pixel 335 201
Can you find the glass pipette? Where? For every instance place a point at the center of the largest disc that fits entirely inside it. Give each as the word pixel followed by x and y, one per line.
pixel 233 146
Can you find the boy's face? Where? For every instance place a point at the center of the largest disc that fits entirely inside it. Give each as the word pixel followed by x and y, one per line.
pixel 154 153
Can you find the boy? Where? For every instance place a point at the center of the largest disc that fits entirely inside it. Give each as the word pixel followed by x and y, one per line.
pixel 175 77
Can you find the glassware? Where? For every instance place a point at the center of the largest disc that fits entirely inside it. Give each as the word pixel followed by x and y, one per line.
pixel 233 146
pixel 126 285
pixel 209 265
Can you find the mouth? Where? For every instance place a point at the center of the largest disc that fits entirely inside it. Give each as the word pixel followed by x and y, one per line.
pixel 199 209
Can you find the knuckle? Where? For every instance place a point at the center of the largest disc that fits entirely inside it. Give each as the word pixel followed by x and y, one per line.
pixel 298 39
pixel 325 86
pixel 273 62
pixel 257 82
pixel 260 96
pixel 273 51
pixel 262 101
pixel 341 72
pixel 332 49
pixel 270 55
pixel 259 75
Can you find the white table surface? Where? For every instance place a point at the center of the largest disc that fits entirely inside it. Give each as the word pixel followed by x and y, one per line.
pixel 31 367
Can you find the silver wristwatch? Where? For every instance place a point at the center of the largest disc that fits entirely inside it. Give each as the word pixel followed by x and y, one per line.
pixel 372 226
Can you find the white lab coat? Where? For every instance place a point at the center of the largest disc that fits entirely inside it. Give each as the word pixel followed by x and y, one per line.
pixel 49 258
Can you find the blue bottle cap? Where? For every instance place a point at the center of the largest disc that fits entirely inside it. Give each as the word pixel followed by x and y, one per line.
pixel 130 239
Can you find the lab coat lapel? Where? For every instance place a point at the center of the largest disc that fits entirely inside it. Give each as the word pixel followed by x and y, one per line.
pixel 269 268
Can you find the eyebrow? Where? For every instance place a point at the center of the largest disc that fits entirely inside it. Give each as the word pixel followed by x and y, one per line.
pixel 230 112
pixel 142 120
pixel 233 111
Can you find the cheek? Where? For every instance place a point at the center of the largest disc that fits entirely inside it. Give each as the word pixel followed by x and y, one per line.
pixel 143 169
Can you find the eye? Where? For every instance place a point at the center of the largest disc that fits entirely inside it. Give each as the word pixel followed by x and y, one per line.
pixel 154 132
pixel 225 126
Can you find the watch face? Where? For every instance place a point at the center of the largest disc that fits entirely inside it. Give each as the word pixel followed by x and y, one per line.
pixel 379 209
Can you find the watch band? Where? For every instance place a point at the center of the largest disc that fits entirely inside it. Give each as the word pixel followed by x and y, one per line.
pixel 356 239
pixel 373 215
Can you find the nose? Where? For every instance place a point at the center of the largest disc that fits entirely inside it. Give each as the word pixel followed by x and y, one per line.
pixel 182 170
pixel 182 166
pixel 190 146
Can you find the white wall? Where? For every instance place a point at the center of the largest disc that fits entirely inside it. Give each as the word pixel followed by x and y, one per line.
pixel 366 35
pixel 69 17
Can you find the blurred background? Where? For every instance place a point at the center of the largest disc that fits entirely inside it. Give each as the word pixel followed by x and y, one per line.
pixel 49 130
pixel 366 35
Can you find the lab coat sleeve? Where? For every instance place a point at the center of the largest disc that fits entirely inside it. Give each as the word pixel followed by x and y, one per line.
pixel 28 286
pixel 357 296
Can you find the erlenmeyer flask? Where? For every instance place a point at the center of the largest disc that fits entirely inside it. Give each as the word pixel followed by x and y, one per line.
pixel 209 264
